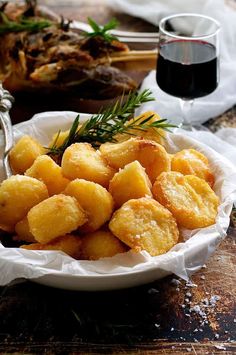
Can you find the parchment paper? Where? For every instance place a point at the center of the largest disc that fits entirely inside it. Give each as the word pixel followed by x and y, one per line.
pixel 183 260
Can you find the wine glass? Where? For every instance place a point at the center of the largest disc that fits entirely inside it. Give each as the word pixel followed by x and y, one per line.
pixel 188 60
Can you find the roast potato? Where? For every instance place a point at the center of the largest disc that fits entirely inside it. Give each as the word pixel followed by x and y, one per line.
pixel 56 216
pixel 130 182
pixel 96 201
pixel 144 224
pixel 190 199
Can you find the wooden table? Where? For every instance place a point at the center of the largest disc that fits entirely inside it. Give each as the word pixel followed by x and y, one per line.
pixel 151 319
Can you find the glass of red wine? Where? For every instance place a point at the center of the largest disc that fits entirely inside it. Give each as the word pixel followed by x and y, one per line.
pixel 188 60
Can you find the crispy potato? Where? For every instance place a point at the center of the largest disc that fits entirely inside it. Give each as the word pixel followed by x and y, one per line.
pixel 190 199
pixel 81 160
pixel 54 217
pixel 18 195
pixel 101 244
pixel 23 154
pixel 23 232
pixel 192 162
pixel 69 244
pixel 144 224
pixel 129 183
pixel 58 138
pixel 46 170
pixel 96 201
pixel 151 155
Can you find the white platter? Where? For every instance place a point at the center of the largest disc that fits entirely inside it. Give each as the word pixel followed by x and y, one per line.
pixel 130 269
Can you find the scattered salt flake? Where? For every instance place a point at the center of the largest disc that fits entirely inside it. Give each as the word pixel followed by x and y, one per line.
pixel 234 320
pixel 177 289
pixel 190 284
pixel 183 305
pixel 195 340
pixel 173 347
pixel 189 349
pixel 226 331
pixel 204 266
pixel 137 236
pixel 153 223
pixel 187 300
pixel 214 299
pixel 187 314
pixel 203 277
pixel 175 282
pixel 172 329
pixel 188 294
pixel 157 325
pixel 220 347
pixel 217 336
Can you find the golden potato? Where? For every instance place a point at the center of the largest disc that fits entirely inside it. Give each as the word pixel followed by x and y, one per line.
pixel 58 138
pixel 96 201
pixel 129 183
pixel 18 195
pixel 54 217
pixel 151 155
pixel 23 154
pixel 190 199
pixel 69 244
pixel 23 232
pixel 81 160
pixel 192 162
pixel 101 244
pixel 144 224
pixel 46 170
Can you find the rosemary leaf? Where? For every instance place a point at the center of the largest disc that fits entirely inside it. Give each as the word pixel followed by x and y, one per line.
pixel 102 31
pixel 104 126
pixel 24 24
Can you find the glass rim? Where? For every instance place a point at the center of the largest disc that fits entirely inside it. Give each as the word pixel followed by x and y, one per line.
pixel 189 14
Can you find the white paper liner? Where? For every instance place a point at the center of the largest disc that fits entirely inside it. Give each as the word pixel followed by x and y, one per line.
pixel 183 259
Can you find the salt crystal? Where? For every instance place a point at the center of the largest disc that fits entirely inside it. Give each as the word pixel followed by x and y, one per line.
pixel 204 266
pixel 195 330
pixel 189 349
pixel 172 329
pixel 234 320
pixel 173 347
pixel 175 282
pixel 157 325
pixel 153 291
pixel 217 336
pixel 203 277
pixel 177 289
pixel 188 294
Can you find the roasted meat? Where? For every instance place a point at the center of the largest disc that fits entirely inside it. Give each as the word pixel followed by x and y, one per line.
pixel 54 57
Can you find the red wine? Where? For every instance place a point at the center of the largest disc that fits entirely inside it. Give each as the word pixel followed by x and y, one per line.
pixel 187 68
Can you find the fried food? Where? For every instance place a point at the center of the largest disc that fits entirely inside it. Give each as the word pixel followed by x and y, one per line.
pixel 56 216
pixel 96 201
pixel 190 199
pixel 144 224
pixel 46 170
pixel 81 160
pixel 151 155
pixel 23 232
pixel 101 244
pixel 129 183
pixel 192 162
pixel 24 153
pixel 69 244
pixel 18 195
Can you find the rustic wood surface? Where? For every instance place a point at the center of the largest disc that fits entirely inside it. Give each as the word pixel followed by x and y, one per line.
pixel 151 319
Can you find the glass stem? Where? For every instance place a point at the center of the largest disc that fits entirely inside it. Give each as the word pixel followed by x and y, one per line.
pixel 186 107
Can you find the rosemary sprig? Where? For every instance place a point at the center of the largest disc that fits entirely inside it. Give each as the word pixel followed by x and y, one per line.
pixel 102 31
pixel 24 24
pixel 104 126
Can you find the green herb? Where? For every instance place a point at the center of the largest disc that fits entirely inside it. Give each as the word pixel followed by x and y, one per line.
pixel 104 126
pixel 102 31
pixel 24 24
